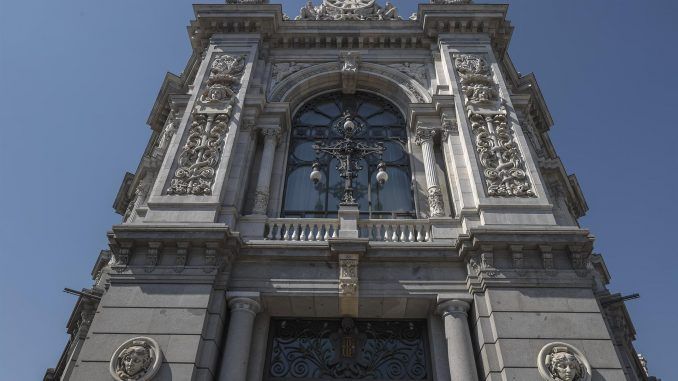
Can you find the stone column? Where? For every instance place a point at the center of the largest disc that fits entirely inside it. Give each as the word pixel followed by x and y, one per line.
pixel 424 138
pixel 244 309
pixel 459 347
pixel 265 167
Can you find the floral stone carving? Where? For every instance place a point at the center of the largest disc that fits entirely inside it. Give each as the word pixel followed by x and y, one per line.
pixel 502 162
pixel 136 359
pixel 476 79
pixel 563 362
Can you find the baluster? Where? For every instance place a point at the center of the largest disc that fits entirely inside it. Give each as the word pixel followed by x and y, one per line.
pixel 287 236
pixel 335 230
pixel 402 233
pixel 327 232
pixel 420 234
pixel 302 232
pixel 410 229
pixel 385 235
pixel 295 232
pixel 394 237
pixel 319 232
pixel 427 238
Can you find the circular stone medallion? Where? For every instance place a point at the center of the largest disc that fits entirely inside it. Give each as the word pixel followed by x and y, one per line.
pixel 562 362
pixel 136 359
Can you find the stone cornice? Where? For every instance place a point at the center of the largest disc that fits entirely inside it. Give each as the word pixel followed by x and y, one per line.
pixel 179 232
pixel 432 19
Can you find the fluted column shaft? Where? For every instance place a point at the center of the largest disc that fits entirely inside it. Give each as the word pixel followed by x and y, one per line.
pixel 459 347
pixel 239 339
pixel 435 196
pixel 265 168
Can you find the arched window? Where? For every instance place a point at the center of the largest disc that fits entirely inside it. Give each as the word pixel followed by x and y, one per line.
pixel 383 123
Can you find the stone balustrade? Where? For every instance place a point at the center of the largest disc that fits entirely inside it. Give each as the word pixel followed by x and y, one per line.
pixel 322 229
pixel 396 230
pixel 301 229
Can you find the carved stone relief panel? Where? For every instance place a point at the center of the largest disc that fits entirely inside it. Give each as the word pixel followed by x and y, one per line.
pixel 416 71
pixel 501 160
pixel 137 359
pixel 348 274
pixel 477 83
pixel 563 362
pixel 348 10
pixel 282 70
pixel 200 154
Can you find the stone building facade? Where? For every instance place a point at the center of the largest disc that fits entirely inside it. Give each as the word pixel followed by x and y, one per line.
pixel 436 238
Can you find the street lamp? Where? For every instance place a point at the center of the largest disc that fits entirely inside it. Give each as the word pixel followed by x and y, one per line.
pixel 348 153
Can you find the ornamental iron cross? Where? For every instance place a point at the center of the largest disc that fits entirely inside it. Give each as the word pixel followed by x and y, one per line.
pixel 349 153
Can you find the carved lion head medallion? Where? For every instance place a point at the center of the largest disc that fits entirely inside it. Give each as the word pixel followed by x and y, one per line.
pixel 562 362
pixel 136 359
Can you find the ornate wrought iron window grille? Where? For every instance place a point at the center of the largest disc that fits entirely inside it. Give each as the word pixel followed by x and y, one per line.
pixel 347 349
pixel 383 125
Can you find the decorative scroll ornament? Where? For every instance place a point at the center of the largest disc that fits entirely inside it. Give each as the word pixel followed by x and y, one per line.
pixel 171 126
pixel 435 202
pixel 223 81
pixel 136 359
pixel 476 79
pixel 563 362
pixel 348 10
pixel 349 71
pixel 348 274
pixel 449 126
pixel 201 153
pixel 282 70
pixel 502 162
pixel 413 70
pixel 348 350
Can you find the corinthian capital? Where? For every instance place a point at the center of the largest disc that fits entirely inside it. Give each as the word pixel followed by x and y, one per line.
pixel 424 134
pixel 270 133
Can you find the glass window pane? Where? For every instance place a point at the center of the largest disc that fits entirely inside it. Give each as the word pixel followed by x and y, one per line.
pixel 395 195
pixel 301 194
pixel 383 119
pixel 304 151
pixel 313 118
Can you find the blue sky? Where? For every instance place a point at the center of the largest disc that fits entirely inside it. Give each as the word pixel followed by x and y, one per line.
pixel 79 78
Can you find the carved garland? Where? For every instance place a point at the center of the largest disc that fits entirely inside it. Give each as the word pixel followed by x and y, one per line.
pixel 201 153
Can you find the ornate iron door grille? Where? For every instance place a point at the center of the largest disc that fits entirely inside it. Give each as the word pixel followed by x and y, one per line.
pixel 347 349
